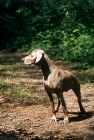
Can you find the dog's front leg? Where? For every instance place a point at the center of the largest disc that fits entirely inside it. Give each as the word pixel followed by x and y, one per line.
pixel 66 118
pixel 58 104
pixel 52 106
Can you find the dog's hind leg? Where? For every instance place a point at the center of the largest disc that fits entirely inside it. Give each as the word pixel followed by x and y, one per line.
pixel 76 90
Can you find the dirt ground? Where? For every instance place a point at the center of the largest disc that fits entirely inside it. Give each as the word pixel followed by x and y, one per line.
pixel 31 121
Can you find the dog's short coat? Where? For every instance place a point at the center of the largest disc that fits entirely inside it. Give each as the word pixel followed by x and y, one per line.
pixel 56 81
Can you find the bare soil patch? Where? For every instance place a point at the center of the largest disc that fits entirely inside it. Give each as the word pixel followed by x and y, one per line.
pixel 25 110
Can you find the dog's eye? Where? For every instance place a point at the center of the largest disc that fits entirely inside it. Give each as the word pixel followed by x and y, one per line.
pixel 33 56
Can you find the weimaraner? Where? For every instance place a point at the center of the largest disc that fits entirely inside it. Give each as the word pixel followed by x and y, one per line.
pixel 56 81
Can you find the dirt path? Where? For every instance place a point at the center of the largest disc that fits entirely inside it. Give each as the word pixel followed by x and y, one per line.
pixel 28 117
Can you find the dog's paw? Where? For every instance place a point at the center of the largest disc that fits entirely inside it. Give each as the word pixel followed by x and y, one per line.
pixel 66 120
pixel 53 118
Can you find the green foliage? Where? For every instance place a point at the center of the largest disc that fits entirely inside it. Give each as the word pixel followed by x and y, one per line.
pixel 64 29
pixel 83 50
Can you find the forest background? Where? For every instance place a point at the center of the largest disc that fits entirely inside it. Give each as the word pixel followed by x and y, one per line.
pixel 63 28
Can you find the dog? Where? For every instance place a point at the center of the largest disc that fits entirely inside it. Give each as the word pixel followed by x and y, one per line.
pixel 55 80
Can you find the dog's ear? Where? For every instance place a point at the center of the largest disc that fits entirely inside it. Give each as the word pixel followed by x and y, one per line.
pixel 39 56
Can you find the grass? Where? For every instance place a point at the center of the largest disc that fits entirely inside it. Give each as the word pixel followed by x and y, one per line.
pixel 17 83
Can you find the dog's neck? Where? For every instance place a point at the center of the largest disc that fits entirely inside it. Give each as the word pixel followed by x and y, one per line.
pixel 46 66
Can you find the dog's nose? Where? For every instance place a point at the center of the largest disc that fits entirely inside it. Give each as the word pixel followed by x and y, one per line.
pixel 23 59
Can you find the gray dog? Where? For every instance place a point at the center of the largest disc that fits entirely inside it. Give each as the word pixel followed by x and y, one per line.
pixel 56 81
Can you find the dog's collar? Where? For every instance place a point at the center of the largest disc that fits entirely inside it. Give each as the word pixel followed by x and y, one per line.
pixel 49 70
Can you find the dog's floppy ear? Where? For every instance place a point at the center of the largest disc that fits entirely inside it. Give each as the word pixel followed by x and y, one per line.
pixel 39 56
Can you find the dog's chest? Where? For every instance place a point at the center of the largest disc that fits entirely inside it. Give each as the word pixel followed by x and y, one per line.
pixel 51 83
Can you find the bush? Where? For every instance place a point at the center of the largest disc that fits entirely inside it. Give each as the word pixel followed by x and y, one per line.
pixel 64 29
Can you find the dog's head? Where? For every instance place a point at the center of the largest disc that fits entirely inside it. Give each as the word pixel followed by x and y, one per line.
pixel 34 57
